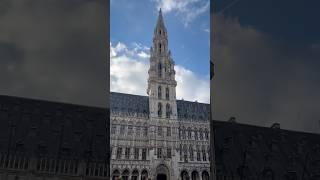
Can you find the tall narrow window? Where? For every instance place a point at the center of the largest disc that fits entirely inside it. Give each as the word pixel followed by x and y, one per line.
pixel 169 153
pixel 119 152
pixel 191 152
pixel 159 109
pixel 138 131
pixel 136 153
pixel 159 70
pixel 198 155
pixel 189 133
pixel 122 129
pixel 204 155
pixel 127 153
pixel 167 93
pixel 168 111
pixel 168 131
pixel 130 130
pixel 144 154
pixel 159 92
pixel 145 133
pixel 159 153
pixel 160 47
pixel 113 129
pixel 159 131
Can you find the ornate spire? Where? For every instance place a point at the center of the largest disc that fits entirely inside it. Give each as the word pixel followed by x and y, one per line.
pixel 160 23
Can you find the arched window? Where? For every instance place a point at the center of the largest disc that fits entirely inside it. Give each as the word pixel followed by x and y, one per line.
pixel 167 93
pixel 159 70
pixel 168 111
pixel 160 47
pixel 159 109
pixel 185 153
pixel 159 92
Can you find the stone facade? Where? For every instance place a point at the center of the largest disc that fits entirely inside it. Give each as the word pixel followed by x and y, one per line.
pixel 157 136
pixel 41 140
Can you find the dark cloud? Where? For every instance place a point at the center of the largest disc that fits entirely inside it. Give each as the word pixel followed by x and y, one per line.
pixel 261 80
pixel 55 50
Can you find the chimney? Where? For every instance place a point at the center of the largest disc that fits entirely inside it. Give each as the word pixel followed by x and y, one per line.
pixel 232 119
pixel 275 126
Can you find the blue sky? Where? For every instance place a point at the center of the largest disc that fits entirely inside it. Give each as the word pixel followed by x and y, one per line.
pixel 131 27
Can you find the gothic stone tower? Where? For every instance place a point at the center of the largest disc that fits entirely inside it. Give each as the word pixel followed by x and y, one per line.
pixel 163 139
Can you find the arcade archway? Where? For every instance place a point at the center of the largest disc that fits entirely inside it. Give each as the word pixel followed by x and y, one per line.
pixel 162 173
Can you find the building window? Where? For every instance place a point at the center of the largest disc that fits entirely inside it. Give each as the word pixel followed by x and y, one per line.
pixel 144 154
pixel 204 155
pixel 159 92
pixel 185 152
pixel 189 133
pixel 159 153
pixel 159 109
pixel 159 131
pixel 180 152
pixel 137 131
pixel 160 47
pixel 130 130
pixel 183 133
pixel 145 133
pixel 191 152
pixel 201 134
pixel 159 70
pixel 196 134
pixel 136 153
pixel 167 93
pixel 127 153
pixel 119 152
pixel 198 155
pixel 122 129
pixel 168 131
pixel 169 153
pixel 207 134
pixel 113 129
pixel 168 111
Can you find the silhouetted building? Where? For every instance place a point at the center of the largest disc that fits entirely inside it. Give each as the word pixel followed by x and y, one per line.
pixel 49 140
pixel 250 152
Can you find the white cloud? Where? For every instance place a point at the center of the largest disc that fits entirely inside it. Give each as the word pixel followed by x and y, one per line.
pixel 187 9
pixel 129 74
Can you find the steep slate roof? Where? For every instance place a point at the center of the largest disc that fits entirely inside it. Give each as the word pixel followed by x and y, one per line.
pixel 37 127
pixel 262 149
pixel 120 102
